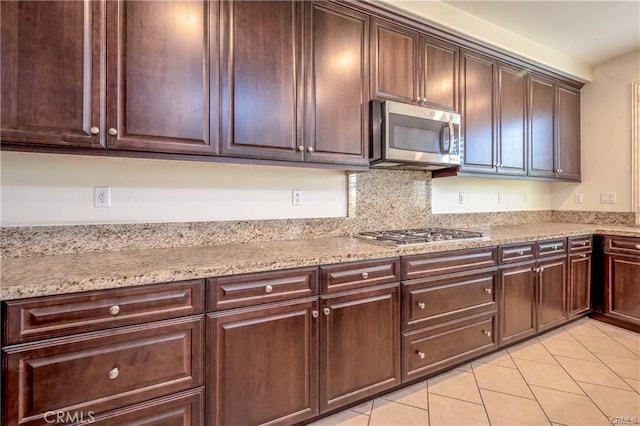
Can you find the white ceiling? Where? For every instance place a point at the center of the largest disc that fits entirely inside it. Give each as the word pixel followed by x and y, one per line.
pixel 590 31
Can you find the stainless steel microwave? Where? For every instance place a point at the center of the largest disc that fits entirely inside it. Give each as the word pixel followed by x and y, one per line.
pixel 405 136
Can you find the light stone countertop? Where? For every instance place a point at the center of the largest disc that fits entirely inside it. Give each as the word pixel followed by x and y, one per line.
pixel 33 276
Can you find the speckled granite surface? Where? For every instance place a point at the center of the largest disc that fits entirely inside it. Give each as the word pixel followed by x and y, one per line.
pixel 594 218
pixel 46 275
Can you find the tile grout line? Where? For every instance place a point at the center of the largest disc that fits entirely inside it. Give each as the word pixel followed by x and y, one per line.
pixel 484 405
pixel 529 387
pixel 457 399
pixel 426 383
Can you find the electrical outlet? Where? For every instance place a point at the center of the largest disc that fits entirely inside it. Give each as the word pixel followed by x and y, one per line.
pixel 608 197
pixel 460 197
pixel 500 198
pixel 578 198
pixel 102 196
pixel 296 197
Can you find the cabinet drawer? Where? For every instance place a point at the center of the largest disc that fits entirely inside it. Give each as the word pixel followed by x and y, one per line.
pixel 512 253
pixel 551 247
pixel 263 287
pixel 435 300
pixel 580 243
pixel 347 276
pixel 101 371
pixel 434 348
pixel 181 409
pixel 628 245
pixel 54 316
pixel 447 262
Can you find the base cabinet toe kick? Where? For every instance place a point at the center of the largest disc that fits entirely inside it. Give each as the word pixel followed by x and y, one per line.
pixel 289 346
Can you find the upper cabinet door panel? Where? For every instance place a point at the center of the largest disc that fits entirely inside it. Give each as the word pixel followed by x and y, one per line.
pixel 541 127
pixel 51 63
pixel 337 85
pixel 159 74
pixel 568 133
pixel 511 120
pixel 261 83
pixel 393 62
pixel 439 74
pixel 478 88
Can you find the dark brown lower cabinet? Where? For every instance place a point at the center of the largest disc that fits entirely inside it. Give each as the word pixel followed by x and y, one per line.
pixel 359 344
pixel 579 284
pixel 434 348
pixel 517 302
pixel 88 374
pixel 551 288
pixel 263 364
pixel 622 287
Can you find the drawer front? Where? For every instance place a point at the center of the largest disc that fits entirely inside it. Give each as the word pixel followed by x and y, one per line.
pixel 512 253
pixel 583 242
pixel 434 348
pixel 102 371
pixel 181 409
pixel 629 245
pixel 430 301
pixel 237 291
pixel 54 316
pixel 552 247
pixel 447 262
pixel 347 276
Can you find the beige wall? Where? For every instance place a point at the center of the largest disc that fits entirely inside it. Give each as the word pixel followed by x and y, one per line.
pixel 606 139
pixel 40 189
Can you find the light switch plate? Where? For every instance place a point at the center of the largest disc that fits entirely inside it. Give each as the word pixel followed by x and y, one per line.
pixel 608 197
pixel 578 198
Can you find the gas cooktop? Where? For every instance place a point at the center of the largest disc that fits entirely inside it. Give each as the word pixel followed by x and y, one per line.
pixel 401 237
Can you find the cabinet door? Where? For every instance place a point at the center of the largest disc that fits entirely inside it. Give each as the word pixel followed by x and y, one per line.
pixel 439 73
pixel 261 79
pixel 159 76
pixel 517 303
pixel 477 95
pixel 552 293
pixel 579 297
pixel 568 137
pixel 511 138
pixel 360 345
pixel 541 127
pixel 262 364
pixel 51 64
pixel 337 85
pixel 622 292
pixel 393 62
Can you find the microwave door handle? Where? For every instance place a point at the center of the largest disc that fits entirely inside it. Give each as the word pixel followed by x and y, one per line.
pixel 452 136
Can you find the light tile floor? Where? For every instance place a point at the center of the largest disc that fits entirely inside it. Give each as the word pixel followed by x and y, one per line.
pixel 585 373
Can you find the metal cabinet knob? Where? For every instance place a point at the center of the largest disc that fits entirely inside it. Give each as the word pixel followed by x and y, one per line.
pixel 486 333
pixel 301 148
pixel 326 311
pixel 421 355
pixel 315 313
pixel 310 149
pixel 520 252
pixel 421 305
pixel 365 275
pixel 114 310
pixel 555 247
pixel 424 99
pixel 268 289
pixel 113 131
pixel 637 246
pixel 94 130
pixel 417 99
pixel 583 243
pixel 114 373
pixel 583 255
pixel 488 290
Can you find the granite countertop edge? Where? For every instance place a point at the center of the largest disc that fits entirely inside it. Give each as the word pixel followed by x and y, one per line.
pixel 26 277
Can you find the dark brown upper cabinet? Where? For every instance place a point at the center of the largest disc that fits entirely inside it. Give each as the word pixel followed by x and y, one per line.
pixel 162 74
pixel 554 129
pixel 262 84
pixel 568 133
pixel 511 127
pixel 52 59
pixel 337 86
pixel 477 91
pixel 407 66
